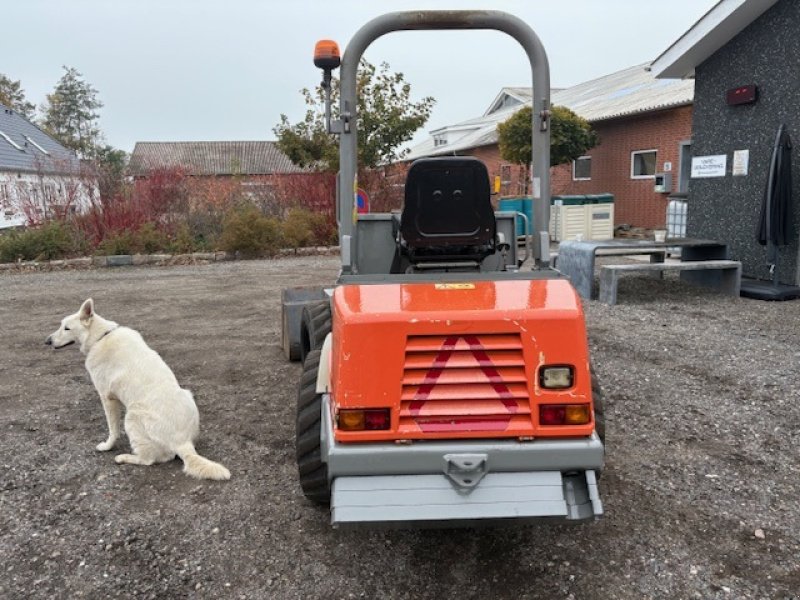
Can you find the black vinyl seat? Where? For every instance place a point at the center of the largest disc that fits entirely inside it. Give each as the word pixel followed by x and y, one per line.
pixel 447 215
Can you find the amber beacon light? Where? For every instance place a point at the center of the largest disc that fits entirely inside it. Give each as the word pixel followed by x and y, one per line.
pixel 326 55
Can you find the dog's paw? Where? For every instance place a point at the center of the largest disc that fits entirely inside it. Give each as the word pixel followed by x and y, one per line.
pixel 132 459
pixel 105 446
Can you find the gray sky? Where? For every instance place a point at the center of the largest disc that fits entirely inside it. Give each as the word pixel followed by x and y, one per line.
pixel 175 70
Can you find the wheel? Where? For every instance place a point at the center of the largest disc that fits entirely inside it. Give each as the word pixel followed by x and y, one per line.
pixel 313 472
pixel 599 408
pixel 315 325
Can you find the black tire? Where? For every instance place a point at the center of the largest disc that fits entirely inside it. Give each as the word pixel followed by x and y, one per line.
pixel 315 325
pixel 313 472
pixel 599 407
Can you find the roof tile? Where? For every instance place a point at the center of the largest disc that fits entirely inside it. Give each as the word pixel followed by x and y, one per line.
pixel 30 149
pixel 212 158
pixel 628 92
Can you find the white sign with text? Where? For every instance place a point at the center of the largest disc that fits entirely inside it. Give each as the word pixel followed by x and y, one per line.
pixel 709 166
pixel 741 162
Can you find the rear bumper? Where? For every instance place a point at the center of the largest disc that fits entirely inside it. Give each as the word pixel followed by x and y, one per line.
pixel 423 483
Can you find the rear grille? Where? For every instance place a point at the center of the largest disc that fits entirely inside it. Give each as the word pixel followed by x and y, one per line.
pixel 469 382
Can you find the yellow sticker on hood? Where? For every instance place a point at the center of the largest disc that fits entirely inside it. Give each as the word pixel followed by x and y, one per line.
pixel 455 286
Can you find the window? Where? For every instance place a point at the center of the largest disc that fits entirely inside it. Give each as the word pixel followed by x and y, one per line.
pixel 439 140
pixel 5 200
pixel 50 194
pixel 505 174
pixel 643 164
pixel 582 168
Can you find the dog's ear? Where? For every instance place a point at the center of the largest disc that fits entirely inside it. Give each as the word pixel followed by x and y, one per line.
pixel 87 310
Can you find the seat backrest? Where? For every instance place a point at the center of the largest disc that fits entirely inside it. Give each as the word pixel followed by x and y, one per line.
pixel 448 205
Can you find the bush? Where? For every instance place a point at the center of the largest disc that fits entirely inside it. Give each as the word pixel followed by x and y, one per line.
pixel 183 241
pixel 119 242
pixel 246 231
pixel 203 227
pixel 149 240
pixel 303 227
pixel 50 241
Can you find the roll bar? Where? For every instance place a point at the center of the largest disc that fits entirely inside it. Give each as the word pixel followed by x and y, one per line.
pixel 347 124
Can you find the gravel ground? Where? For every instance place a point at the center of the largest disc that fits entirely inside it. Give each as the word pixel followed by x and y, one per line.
pixel 701 487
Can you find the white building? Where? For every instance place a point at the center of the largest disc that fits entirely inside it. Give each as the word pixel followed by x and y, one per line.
pixel 39 178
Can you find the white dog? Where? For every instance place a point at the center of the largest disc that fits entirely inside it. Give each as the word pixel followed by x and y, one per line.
pixel 161 418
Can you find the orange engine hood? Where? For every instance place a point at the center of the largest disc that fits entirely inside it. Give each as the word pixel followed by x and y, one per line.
pixel 457 360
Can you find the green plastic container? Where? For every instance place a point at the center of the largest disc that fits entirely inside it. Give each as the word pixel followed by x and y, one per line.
pixel 575 200
pixel 601 198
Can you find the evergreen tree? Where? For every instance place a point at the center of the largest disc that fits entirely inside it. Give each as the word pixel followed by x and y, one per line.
pixel 70 114
pixel 13 96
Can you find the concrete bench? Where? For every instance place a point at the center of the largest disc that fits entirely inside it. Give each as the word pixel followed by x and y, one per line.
pixel 724 275
pixel 576 259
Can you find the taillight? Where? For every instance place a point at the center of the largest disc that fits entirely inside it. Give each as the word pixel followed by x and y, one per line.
pixel 377 419
pixel 373 419
pixel 551 414
pixel 564 414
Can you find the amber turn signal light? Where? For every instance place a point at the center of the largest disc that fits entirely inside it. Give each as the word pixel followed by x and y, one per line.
pixel 374 419
pixel 577 414
pixel 326 55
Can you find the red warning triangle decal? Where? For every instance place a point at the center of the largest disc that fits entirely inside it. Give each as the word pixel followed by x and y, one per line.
pixel 484 362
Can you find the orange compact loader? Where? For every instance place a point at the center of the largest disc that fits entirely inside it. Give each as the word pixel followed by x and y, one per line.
pixel 443 385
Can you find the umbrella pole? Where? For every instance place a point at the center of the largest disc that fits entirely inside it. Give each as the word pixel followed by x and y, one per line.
pixel 772 260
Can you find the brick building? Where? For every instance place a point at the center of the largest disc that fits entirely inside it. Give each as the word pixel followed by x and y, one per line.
pixel 668 132
pixel 644 124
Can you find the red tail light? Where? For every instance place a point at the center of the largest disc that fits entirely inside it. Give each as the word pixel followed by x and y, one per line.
pixel 374 419
pixel 377 419
pixel 552 414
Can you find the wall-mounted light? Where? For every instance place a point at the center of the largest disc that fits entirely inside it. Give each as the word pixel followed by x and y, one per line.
pixel 745 94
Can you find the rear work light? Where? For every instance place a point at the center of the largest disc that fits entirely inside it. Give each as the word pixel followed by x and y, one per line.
pixel 373 419
pixel 564 414
pixel 556 377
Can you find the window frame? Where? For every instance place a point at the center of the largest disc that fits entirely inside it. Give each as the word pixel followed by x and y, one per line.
pixel 575 162
pixel 633 163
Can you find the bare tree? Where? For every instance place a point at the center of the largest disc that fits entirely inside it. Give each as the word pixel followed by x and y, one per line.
pixel 59 189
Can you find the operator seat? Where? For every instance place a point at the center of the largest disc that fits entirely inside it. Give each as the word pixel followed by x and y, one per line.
pixel 447 215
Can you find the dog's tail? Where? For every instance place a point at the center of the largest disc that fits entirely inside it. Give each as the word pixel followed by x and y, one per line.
pixel 197 466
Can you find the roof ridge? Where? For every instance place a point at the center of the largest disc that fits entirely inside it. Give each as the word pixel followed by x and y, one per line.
pixel 210 142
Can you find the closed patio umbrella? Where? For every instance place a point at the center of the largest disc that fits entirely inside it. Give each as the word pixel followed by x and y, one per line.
pixel 775 222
